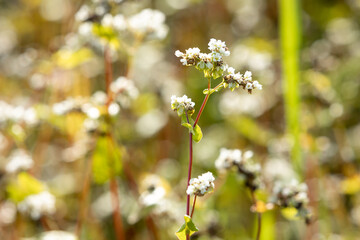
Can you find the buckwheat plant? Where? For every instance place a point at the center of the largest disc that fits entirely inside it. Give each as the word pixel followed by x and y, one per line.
pixel 249 170
pixel 215 69
pixel 292 194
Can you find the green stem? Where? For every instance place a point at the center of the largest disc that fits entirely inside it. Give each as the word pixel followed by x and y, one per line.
pixel 290 33
pixel 258 233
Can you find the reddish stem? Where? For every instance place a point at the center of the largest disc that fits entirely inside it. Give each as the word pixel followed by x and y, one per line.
pixel 203 104
pixel 189 169
pixel 113 184
pixel 193 208
pixel 83 199
pixel 191 149
pixel 116 207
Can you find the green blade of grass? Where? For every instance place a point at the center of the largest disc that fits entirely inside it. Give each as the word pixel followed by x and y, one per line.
pixel 290 34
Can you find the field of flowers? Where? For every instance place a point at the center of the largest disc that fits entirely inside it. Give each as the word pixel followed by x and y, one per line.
pixel 179 119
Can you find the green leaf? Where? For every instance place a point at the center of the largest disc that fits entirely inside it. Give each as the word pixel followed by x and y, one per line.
pixel 107 159
pixel 206 91
pixel 188 228
pixel 217 74
pixel 197 133
pixel 188 126
pixel 23 186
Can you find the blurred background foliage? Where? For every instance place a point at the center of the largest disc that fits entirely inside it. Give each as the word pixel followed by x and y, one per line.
pixel 147 149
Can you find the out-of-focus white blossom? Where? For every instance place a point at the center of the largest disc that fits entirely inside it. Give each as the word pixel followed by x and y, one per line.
pixel 228 158
pixel 92 112
pixel 7 213
pixel 113 109
pixel 37 205
pixel 99 97
pixel 107 20
pixel 19 160
pixel 57 235
pixel 83 13
pixel 290 193
pixel 243 162
pixel 122 85
pixel 150 123
pixel 17 114
pixel 65 106
pixel 201 185
pixel 148 21
pixel 90 124
pixel 153 190
pixel 85 29
pixel 119 22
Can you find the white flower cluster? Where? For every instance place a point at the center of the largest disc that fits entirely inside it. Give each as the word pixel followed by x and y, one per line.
pixel 154 190
pixel 201 185
pixel 212 65
pixel 18 114
pixel 212 61
pixel 182 104
pixel 148 22
pixel 217 46
pixel 122 89
pixel 57 235
pixel 234 80
pixel 291 193
pixel 37 205
pixel 19 160
pixel 228 158
pixel 243 162
pixel 123 85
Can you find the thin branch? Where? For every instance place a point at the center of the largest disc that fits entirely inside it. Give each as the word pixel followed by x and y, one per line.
pixel 113 184
pixel 83 199
pixel 203 104
pixel 193 208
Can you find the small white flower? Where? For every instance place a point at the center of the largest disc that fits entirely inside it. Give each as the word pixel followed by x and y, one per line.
pixel 219 47
pixel 83 13
pixel 107 20
pixel 113 109
pixel 90 124
pixel 99 97
pixel 93 113
pixel 183 103
pixel 19 160
pixel 228 158
pixel 38 204
pixel 149 21
pixel 249 86
pixel 179 54
pixel 201 185
pixel 248 76
pixel 257 85
pixel 119 22
pixel 85 29
pixel 58 235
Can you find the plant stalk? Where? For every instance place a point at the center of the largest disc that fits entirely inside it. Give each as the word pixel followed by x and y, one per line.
pixel 258 216
pixel 119 231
